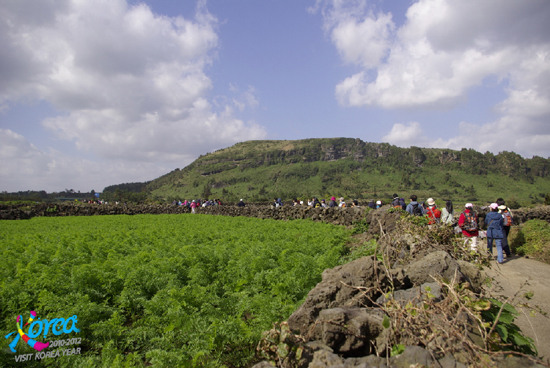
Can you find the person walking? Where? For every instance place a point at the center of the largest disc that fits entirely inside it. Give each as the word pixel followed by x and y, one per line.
pixel 495 231
pixel 395 203
pixel 414 208
pixel 434 214
pixel 468 222
pixel 508 220
pixel 447 213
pixel 342 203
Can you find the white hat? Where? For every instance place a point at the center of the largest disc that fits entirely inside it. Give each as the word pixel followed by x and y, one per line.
pixel 378 202
pixel 430 201
pixel 493 206
pixel 469 205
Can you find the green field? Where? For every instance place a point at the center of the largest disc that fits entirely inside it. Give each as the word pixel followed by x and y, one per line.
pixel 169 290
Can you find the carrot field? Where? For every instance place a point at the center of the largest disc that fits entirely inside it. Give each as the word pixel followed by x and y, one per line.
pixel 161 290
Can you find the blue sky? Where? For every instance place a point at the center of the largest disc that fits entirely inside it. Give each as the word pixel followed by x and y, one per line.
pixel 114 91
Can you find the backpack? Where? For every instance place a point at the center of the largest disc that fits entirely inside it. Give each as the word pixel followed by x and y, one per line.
pixel 470 223
pixel 507 218
pixel 431 212
pixel 416 210
pixel 395 203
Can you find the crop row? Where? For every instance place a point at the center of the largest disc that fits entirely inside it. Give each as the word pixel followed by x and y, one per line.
pixel 171 290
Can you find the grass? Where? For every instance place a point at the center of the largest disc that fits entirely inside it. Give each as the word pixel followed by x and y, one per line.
pixel 262 170
pixel 532 239
pixel 326 179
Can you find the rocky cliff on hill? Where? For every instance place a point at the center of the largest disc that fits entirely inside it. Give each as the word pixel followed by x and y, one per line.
pixel 262 170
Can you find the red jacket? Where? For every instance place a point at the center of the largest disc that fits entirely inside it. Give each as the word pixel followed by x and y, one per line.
pixel 434 214
pixel 461 221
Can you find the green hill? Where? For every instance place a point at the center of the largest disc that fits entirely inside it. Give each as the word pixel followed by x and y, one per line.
pixel 263 170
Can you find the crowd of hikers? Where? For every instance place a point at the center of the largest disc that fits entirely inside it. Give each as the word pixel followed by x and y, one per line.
pixel 498 220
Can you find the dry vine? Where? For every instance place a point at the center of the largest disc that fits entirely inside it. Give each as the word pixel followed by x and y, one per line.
pixel 451 324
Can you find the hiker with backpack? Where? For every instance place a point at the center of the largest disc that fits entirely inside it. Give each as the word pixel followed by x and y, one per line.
pixel 508 221
pixel 315 203
pixel 468 222
pixel 434 214
pixel 447 213
pixel 495 231
pixel 395 201
pixel 342 203
pixel 414 208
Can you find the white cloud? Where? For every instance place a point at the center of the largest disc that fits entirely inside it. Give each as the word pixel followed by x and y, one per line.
pixel 242 99
pixel 360 36
pixel 443 49
pixel 131 85
pixel 406 135
pixel 506 134
pixel 363 42
pixel 502 135
pixel 25 167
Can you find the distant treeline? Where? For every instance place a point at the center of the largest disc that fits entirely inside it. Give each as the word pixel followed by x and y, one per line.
pixel 43 196
pixel 127 187
pixel 129 192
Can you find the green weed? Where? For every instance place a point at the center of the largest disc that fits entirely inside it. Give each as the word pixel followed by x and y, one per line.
pixel 365 250
pixel 508 335
pixel 533 239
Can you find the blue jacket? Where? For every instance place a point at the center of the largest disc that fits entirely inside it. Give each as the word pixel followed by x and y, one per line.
pixel 410 207
pixel 494 223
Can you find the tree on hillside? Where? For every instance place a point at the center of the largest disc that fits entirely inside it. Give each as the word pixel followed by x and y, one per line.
pixel 471 191
pixel 206 192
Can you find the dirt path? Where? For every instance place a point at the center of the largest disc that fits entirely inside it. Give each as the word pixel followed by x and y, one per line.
pixel 509 278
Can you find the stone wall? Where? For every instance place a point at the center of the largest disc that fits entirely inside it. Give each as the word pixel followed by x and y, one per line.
pixel 524 214
pixel 337 216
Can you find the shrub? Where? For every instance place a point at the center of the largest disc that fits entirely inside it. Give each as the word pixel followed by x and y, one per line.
pixel 532 239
